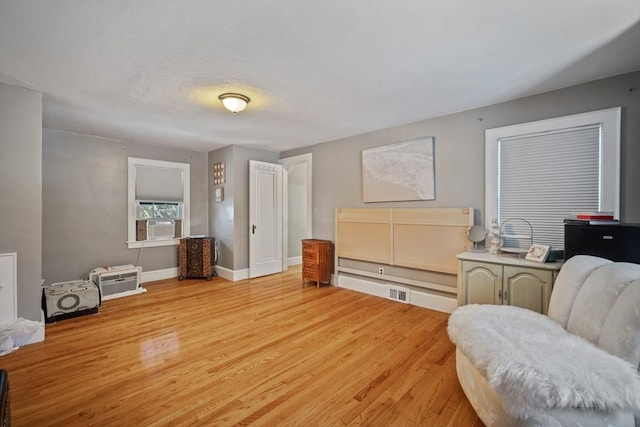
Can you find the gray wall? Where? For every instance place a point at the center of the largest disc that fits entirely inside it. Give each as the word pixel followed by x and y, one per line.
pixel 229 220
pixel 242 155
pixel 63 195
pixel 221 213
pixel 84 203
pixel 459 150
pixel 21 190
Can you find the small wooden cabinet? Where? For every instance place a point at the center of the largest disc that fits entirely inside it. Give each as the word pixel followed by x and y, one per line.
pixel 196 257
pixel 317 256
pixel 505 280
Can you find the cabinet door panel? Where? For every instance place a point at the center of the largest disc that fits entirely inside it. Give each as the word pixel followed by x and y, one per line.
pixel 481 283
pixel 528 288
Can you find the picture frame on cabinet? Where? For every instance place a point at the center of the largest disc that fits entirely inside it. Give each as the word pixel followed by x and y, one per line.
pixel 538 253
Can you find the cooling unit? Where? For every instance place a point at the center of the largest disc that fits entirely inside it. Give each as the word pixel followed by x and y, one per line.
pixel 158 229
pixel 118 281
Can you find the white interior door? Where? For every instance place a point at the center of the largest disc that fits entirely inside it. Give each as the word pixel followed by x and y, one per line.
pixel 265 218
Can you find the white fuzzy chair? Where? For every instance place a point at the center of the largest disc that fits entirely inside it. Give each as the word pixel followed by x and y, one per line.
pixel 576 367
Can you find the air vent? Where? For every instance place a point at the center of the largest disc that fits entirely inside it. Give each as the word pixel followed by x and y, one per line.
pixel 397 293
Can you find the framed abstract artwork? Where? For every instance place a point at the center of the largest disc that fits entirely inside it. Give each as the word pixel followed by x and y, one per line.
pixel 399 172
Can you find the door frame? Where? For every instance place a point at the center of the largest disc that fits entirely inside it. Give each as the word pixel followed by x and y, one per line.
pixel 306 160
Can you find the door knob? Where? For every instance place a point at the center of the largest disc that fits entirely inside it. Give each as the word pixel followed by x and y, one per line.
pixel 253 229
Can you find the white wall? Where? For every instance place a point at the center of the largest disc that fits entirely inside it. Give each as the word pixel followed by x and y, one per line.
pixel 230 219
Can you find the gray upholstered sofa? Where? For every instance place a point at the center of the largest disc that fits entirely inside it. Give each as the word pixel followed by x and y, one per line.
pixel 576 367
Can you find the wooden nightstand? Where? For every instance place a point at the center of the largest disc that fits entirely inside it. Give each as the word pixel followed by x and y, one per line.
pixel 317 258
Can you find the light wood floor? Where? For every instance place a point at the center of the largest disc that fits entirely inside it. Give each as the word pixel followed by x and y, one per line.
pixel 262 352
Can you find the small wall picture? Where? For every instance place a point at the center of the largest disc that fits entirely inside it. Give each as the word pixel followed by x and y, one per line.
pixel 219 194
pixel 538 253
pixel 218 173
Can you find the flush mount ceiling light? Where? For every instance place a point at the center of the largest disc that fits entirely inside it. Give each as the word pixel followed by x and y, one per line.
pixel 234 102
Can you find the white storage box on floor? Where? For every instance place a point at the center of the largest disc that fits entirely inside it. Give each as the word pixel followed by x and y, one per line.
pixel 70 299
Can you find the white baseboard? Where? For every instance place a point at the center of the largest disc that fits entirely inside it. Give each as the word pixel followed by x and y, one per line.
pixel 295 260
pixel 434 302
pixel 419 298
pixel 169 273
pixel 233 275
pixel 362 285
pixel 166 273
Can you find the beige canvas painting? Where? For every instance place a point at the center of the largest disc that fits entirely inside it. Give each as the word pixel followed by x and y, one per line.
pixel 399 172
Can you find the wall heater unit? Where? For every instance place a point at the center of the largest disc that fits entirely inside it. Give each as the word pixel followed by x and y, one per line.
pixel 117 281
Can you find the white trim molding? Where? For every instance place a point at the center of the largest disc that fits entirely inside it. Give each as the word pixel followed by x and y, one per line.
pixel 152 276
pixel 609 121
pixel 133 162
pixel 169 273
pixel 304 159
pixel 418 298
pixel 295 260
pixel 232 275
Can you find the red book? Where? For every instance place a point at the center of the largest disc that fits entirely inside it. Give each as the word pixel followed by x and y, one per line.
pixel 589 216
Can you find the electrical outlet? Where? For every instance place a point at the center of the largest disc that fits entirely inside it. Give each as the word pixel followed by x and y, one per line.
pixel 381 270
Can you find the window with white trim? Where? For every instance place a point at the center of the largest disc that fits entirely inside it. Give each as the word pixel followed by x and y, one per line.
pixel 158 200
pixel 544 171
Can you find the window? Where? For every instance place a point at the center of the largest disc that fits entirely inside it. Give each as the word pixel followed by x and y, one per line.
pixel 157 190
pixel 544 171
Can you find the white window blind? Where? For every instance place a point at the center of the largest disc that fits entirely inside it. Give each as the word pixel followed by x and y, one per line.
pixel 545 177
pixel 545 170
pixel 159 184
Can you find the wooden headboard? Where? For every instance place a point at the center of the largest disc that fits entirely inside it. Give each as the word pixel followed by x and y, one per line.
pixel 421 238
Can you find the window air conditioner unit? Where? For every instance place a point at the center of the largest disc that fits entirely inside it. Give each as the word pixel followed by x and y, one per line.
pixel 158 229
pixel 118 281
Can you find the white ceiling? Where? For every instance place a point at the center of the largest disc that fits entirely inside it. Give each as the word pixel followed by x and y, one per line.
pixel 316 70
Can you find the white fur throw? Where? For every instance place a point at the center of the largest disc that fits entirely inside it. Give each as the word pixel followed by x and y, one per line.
pixel 533 364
